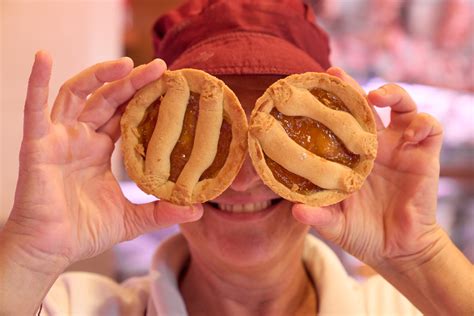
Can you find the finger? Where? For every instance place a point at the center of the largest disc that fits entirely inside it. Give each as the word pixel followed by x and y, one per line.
pixel 36 122
pixel 74 92
pixel 144 218
pixel 341 74
pixel 112 127
pixel 328 221
pixel 402 107
pixel 425 130
pixel 102 104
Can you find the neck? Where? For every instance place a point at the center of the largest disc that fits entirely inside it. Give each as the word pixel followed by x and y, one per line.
pixel 279 286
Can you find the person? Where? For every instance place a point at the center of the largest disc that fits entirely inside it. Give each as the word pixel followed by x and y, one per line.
pixel 68 205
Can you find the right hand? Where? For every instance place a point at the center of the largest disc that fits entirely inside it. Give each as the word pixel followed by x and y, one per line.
pixel 68 205
pixel 390 223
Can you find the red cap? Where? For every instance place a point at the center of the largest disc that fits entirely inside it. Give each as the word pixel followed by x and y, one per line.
pixel 224 37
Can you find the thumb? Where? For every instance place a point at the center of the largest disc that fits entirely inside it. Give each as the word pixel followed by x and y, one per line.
pixel 328 221
pixel 143 218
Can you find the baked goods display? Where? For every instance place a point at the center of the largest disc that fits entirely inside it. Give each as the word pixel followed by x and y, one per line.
pixel 184 137
pixel 312 138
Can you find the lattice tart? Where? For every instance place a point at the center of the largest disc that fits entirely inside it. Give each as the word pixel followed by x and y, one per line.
pixel 312 138
pixel 184 137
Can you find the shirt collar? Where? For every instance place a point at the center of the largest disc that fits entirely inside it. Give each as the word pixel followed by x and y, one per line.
pixel 337 292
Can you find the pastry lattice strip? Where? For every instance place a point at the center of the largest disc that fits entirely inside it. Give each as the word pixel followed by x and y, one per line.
pixel 170 122
pixel 289 100
pixel 298 160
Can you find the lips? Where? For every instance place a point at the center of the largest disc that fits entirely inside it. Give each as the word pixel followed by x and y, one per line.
pixel 250 207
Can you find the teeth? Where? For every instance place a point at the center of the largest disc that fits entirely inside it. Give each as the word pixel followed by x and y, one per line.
pixel 248 207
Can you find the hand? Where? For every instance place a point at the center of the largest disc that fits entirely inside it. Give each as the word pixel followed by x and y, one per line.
pixel 68 205
pixel 391 220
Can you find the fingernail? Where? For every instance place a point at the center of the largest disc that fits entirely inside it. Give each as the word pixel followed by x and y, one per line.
pixel 381 91
pixel 161 62
pixel 196 211
pixel 126 59
pixel 336 71
pixel 40 54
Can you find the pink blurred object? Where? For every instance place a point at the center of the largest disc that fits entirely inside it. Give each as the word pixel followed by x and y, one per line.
pixel 416 41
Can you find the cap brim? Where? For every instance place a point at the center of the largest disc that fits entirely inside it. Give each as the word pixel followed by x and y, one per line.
pixel 246 53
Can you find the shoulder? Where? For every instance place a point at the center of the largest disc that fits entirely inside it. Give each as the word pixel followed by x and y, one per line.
pixel 93 294
pixel 380 296
pixel 339 293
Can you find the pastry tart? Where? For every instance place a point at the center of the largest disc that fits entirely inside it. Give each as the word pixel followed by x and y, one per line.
pixel 312 138
pixel 184 137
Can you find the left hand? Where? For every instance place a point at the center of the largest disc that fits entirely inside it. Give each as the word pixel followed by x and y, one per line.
pixel 391 219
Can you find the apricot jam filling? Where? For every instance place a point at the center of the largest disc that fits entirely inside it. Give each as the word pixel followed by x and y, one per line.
pixel 183 148
pixel 315 137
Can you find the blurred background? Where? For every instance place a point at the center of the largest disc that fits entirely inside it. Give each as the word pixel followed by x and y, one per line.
pixel 425 45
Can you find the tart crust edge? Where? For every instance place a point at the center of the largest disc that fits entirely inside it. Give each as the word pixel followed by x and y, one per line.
pixel 206 189
pixel 360 110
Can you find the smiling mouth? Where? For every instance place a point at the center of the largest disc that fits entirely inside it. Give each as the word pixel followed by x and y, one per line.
pixel 245 207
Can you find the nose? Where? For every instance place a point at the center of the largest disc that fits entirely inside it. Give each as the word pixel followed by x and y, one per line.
pixel 247 178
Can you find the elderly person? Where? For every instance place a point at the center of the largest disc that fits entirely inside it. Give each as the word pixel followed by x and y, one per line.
pixel 68 205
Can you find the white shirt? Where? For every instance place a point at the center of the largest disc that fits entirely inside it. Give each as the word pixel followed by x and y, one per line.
pixel 80 293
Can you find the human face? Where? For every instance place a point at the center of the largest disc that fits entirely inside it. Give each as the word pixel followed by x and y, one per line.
pixel 246 238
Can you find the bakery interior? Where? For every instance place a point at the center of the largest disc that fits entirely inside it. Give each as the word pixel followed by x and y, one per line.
pixel 426 46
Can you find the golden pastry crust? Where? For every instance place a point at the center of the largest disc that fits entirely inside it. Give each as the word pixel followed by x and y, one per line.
pixel 151 169
pixel 268 138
